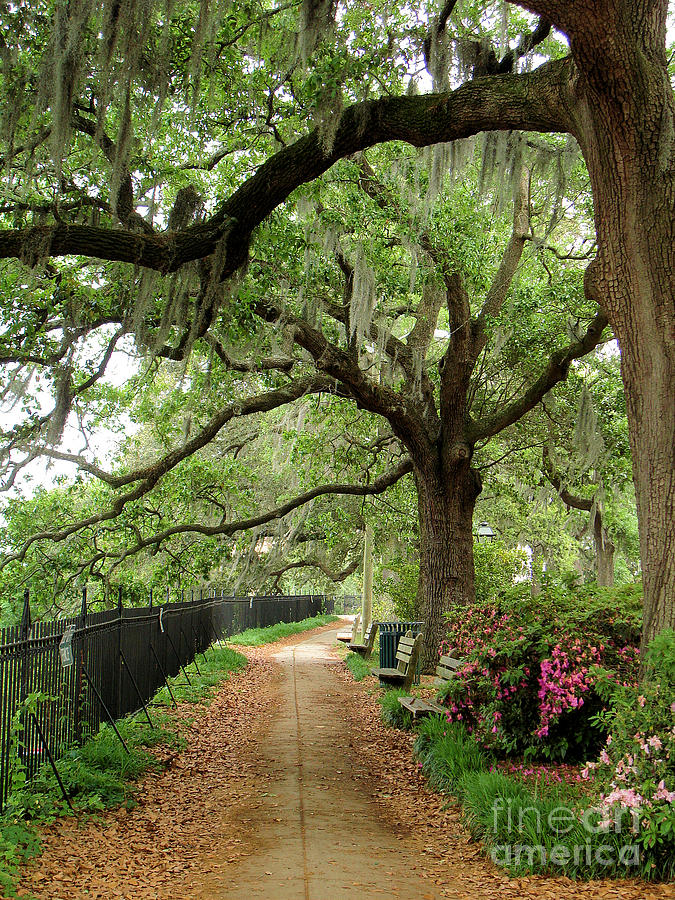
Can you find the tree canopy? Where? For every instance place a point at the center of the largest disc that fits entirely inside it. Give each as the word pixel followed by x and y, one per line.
pixel 184 175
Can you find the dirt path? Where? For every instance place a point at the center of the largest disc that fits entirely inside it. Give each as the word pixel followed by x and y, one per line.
pixel 289 789
pixel 318 836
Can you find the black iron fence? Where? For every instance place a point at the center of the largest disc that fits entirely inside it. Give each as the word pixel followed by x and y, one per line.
pixel 99 666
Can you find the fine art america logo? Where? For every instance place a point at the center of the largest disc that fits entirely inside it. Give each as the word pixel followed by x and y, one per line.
pixel 539 839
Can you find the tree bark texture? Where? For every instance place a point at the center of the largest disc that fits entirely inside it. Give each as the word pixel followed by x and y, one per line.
pixel 626 127
pixel 604 553
pixel 446 501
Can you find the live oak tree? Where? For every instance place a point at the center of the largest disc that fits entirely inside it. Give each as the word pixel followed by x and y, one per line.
pixel 76 75
pixel 363 304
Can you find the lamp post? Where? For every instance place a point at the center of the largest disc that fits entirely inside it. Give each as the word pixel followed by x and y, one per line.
pixel 485 533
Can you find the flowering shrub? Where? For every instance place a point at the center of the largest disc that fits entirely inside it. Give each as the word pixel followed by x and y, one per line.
pixel 636 768
pixel 527 685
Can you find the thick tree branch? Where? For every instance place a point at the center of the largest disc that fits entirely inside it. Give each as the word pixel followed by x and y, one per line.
pixel 314 563
pixel 536 101
pixel 569 499
pixel 508 266
pixel 147 477
pixel 267 364
pixel 378 486
pixel 402 415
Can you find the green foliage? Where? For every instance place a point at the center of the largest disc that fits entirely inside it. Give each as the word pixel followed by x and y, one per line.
pixel 495 565
pixel 447 752
pixel 401 585
pixel 636 768
pixel 526 685
pixel 256 637
pixel 526 831
pixel 359 667
pixel 391 711
pixel 428 732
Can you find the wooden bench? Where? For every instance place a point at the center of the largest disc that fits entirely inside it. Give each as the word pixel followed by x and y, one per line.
pixel 365 648
pixel 348 637
pixel 406 657
pixel 445 670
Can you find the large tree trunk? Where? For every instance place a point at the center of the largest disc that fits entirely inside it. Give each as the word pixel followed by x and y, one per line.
pixel 626 129
pixel 604 553
pixel 445 502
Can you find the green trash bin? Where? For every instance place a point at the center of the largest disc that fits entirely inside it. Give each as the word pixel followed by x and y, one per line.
pixel 390 634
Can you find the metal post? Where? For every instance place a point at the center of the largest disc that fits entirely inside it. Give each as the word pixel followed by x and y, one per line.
pixel 119 652
pixel 133 681
pixel 100 699
pixel 80 665
pixel 51 761
pixel 166 680
pixel 194 659
pixel 180 664
pixel 24 636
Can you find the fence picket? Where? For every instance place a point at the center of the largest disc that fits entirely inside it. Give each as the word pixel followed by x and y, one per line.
pixel 104 642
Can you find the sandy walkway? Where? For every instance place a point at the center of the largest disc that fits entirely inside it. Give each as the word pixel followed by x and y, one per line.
pixel 318 836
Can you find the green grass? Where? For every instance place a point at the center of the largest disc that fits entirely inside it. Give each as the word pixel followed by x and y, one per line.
pixel 448 758
pixel 359 667
pixel 391 711
pixel 218 662
pixel 100 774
pixel 544 830
pixel 530 834
pixel 256 637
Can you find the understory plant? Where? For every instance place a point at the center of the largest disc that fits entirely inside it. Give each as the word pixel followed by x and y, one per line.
pixel 391 711
pixel 359 667
pixel 535 828
pixel 636 768
pixel 527 685
pixel 447 752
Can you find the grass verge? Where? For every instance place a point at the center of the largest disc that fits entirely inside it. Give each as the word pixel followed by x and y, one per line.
pixel 256 637
pixel 100 774
pixel 391 711
pixel 359 667
pixel 546 830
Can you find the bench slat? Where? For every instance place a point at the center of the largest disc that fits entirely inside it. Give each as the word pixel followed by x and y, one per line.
pixel 386 673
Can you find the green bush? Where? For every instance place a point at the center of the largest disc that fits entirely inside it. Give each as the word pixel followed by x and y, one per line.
pixel 636 768
pixel 527 687
pixel 526 833
pixel 391 712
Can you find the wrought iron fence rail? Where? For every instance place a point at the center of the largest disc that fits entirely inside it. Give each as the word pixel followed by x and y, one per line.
pixel 103 665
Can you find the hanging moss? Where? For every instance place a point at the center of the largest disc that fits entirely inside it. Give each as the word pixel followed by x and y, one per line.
pixel 316 21
pixel 362 302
